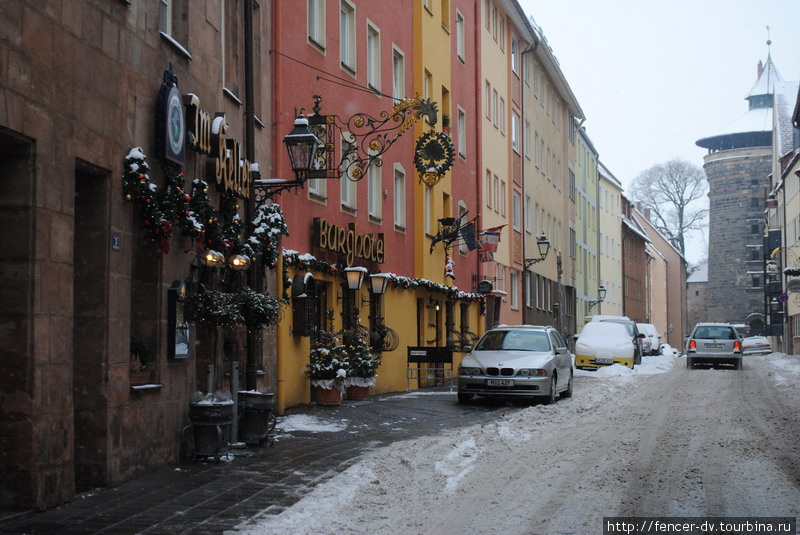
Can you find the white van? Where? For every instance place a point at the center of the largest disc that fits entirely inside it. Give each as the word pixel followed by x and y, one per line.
pixel 652 333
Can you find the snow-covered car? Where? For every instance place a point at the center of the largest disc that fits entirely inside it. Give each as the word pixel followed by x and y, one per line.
pixel 714 343
pixel 603 344
pixel 517 361
pixel 756 345
pixel 670 351
pixel 637 337
pixel 652 334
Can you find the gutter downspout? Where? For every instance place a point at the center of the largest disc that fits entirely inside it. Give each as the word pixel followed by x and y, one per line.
pixel 526 279
pixel 254 279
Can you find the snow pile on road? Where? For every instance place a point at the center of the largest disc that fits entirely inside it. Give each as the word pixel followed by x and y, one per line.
pixel 561 468
pixel 305 422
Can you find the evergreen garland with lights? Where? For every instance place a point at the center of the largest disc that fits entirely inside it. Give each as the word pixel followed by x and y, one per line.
pixel 360 361
pixel 136 185
pixel 263 243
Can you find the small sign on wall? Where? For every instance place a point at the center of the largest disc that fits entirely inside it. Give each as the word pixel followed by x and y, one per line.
pixel 115 243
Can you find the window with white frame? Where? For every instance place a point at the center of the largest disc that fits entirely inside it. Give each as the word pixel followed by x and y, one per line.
pixel 515 131
pixel 428 210
pixel 536 150
pixel 427 82
pixel 488 188
pixel 528 289
pixel 502 118
pixel 316 22
pixel 398 74
pixel 494 106
pixel 461 134
pixel 526 137
pixel 399 196
pixel 488 18
pixel 165 16
pixel 502 36
pixel 462 245
pixel 373 57
pixel 527 213
pixel 502 197
pixel 374 191
pixel 515 54
pixel 494 22
pixel 496 193
pixel 347 35
pixel 461 37
pixel 516 217
pixel 347 187
pixel 514 289
pixel 488 100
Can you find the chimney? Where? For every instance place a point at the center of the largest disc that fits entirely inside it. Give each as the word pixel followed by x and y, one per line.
pixel 639 206
pixel 647 214
pixel 760 69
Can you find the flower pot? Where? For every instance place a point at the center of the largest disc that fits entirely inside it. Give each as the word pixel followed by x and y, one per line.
pixel 255 421
pixel 357 393
pixel 328 396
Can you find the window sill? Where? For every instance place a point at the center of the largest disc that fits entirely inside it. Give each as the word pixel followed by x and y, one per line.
pixel 231 95
pixel 176 45
pixel 143 388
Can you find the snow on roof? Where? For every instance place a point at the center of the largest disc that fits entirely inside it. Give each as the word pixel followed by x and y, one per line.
pixel 635 229
pixel 767 79
pixel 785 99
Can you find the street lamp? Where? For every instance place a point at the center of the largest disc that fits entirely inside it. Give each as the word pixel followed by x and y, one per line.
pixel 302 145
pixel 601 292
pixel 380 281
pixel 355 277
pixel 544 247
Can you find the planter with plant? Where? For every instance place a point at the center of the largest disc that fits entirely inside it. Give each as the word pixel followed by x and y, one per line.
pixel 327 367
pixel 362 366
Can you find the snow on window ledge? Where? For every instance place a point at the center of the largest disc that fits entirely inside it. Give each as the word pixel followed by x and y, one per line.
pixel 179 47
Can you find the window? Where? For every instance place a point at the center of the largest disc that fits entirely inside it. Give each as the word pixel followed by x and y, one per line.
pixel 528 289
pixel 515 131
pixel 528 213
pixel 496 193
pixel 462 246
pixel 515 207
pixel 165 16
pixel 398 75
pixel 488 100
pixel 373 57
pixel 347 35
pixel 572 243
pixel 461 37
pixel 374 191
pixel 502 118
pixel 172 23
pixel 427 82
pixel 502 197
pixel 494 106
pixel 502 36
pixel 233 50
pixel 445 14
pixel 571 185
pixel 428 210
pixel 514 290
pixel 399 197
pixel 494 22
pixel 488 8
pixel 461 133
pixel 316 22
pixel 488 192
pixel 347 187
pixel 318 187
pixel 515 54
pixel 526 137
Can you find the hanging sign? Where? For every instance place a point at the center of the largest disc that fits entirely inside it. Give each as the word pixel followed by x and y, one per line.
pixel 170 121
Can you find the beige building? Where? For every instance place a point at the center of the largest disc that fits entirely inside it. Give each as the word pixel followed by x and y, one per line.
pixel 610 249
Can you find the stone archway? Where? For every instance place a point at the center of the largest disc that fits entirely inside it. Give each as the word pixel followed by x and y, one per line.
pixel 756 324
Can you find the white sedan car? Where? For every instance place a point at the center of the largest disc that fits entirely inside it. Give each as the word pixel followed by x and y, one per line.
pixel 756 345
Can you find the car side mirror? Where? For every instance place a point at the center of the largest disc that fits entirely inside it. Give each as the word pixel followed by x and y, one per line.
pixel 467 349
pixel 641 335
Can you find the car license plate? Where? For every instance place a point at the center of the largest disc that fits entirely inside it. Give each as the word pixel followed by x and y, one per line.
pixel 499 382
pixel 715 346
pixel 604 360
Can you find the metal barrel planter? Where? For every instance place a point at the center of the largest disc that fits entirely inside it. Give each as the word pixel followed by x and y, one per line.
pixel 256 416
pixel 211 427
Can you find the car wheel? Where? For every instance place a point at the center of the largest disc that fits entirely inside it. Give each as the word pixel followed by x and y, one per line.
pixel 736 364
pixel 464 398
pixel 689 363
pixel 568 392
pixel 551 398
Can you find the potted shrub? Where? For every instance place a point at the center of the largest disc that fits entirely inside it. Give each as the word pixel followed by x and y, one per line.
pixel 362 366
pixel 327 367
pixel 211 417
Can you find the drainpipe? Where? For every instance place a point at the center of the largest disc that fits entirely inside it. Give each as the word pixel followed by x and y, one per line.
pixel 254 279
pixel 526 279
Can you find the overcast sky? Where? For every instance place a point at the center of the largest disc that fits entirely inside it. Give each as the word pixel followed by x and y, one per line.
pixel 654 76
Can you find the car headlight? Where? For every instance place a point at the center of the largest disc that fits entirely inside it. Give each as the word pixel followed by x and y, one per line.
pixel 532 372
pixel 470 371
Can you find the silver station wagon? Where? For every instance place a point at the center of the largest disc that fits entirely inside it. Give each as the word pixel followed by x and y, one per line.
pixel 517 361
pixel 714 343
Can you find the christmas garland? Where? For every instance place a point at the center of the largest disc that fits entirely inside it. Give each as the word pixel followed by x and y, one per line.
pixel 307 262
pixel 199 221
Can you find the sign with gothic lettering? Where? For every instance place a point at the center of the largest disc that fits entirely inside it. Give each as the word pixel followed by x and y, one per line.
pixel 347 242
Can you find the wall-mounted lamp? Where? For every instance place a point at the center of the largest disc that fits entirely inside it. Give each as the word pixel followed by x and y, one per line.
pixel 355 277
pixel 601 292
pixel 543 244
pixel 213 259
pixel 302 145
pixel 239 262
pixel 380 282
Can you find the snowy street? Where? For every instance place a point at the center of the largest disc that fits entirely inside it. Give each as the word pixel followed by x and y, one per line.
pixel 660 440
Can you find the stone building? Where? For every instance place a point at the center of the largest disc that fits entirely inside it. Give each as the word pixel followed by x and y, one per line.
pixel 697 296
pixel 738 165
pixel 634 265
pixel 85 272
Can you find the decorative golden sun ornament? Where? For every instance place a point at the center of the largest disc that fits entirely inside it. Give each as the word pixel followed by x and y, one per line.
pixel 374 145
pixel 356 173
pixel 358 121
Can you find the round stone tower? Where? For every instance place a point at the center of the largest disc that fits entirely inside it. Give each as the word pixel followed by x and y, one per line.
pixel 737 166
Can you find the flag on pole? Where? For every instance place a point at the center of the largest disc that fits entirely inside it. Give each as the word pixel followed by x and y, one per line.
pixel 485 255
pixel 492 235
pixel 468 235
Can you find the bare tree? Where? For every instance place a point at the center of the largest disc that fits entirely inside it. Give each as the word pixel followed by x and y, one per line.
pixel 675 193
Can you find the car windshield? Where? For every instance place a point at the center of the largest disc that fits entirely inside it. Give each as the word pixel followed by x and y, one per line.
pixel 514 340
pixel 715 332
